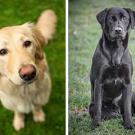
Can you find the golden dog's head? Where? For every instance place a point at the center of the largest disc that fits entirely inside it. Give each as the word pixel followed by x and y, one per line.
pixel 21 48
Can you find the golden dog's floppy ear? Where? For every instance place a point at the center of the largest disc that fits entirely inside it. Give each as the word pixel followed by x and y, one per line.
pixel 46 24
pixel 39 42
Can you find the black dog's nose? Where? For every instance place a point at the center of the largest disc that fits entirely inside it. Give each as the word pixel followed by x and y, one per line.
pixel 118 30
pixel 27 72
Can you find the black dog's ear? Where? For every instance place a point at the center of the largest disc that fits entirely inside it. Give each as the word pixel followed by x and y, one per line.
pixel 101 17
pixel 132 16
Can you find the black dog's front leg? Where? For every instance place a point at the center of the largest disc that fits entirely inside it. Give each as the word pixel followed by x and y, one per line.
pixel 127 116
pixel 97 103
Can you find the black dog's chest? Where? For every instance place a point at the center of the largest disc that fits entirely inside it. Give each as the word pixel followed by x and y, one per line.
pixel 113 80
pixel 114 74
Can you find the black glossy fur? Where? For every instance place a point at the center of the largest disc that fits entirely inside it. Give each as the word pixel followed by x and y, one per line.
pixel 112 69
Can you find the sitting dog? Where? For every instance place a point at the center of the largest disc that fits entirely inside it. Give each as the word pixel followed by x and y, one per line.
pixel 112 69
pixel 25 83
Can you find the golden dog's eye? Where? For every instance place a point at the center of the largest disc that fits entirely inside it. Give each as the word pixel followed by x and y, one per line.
pixel 27 43
pixel 3 51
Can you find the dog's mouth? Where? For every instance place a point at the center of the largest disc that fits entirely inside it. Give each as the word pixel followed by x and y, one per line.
pixel 23 82
pixel 29 82
pixel 118 36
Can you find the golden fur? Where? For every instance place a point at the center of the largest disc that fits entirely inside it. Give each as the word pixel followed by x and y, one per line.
pixel 15 94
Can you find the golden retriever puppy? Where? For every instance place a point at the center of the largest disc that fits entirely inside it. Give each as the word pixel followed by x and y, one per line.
pixel 25 83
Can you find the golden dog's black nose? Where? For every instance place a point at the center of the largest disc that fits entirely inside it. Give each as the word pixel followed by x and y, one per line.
pixel 27 72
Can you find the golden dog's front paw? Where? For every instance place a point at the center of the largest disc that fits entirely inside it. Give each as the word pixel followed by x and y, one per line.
pixel 18 122
pixel 39 116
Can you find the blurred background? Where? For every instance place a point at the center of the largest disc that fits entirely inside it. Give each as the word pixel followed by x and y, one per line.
pixel 84 35
pixel 14 12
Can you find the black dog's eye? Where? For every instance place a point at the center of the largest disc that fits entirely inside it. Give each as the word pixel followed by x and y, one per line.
pixel 3 51
pixel 113 18
pixel 27 43
pixel 121 15
pixel 124 18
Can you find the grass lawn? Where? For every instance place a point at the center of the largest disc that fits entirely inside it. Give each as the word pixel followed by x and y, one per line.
pixel 14 12
pixel 84 34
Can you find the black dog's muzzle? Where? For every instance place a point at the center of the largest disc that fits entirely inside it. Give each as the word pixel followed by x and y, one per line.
pixel 118 30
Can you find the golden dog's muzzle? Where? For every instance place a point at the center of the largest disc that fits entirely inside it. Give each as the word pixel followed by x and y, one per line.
pixel 27 72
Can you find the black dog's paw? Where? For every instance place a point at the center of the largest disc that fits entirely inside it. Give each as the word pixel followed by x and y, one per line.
pixel 96 123
pixel 129 126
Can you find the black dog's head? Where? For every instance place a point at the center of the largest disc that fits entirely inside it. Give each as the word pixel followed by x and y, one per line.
pixel 116 22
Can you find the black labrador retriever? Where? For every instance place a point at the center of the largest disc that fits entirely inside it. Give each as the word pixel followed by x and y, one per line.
pixel 111 71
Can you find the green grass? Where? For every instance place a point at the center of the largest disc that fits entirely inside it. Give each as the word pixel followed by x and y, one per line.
pixel 84 34
pixel 14 12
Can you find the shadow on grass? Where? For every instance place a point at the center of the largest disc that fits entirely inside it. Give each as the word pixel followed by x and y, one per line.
pixel 81 124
